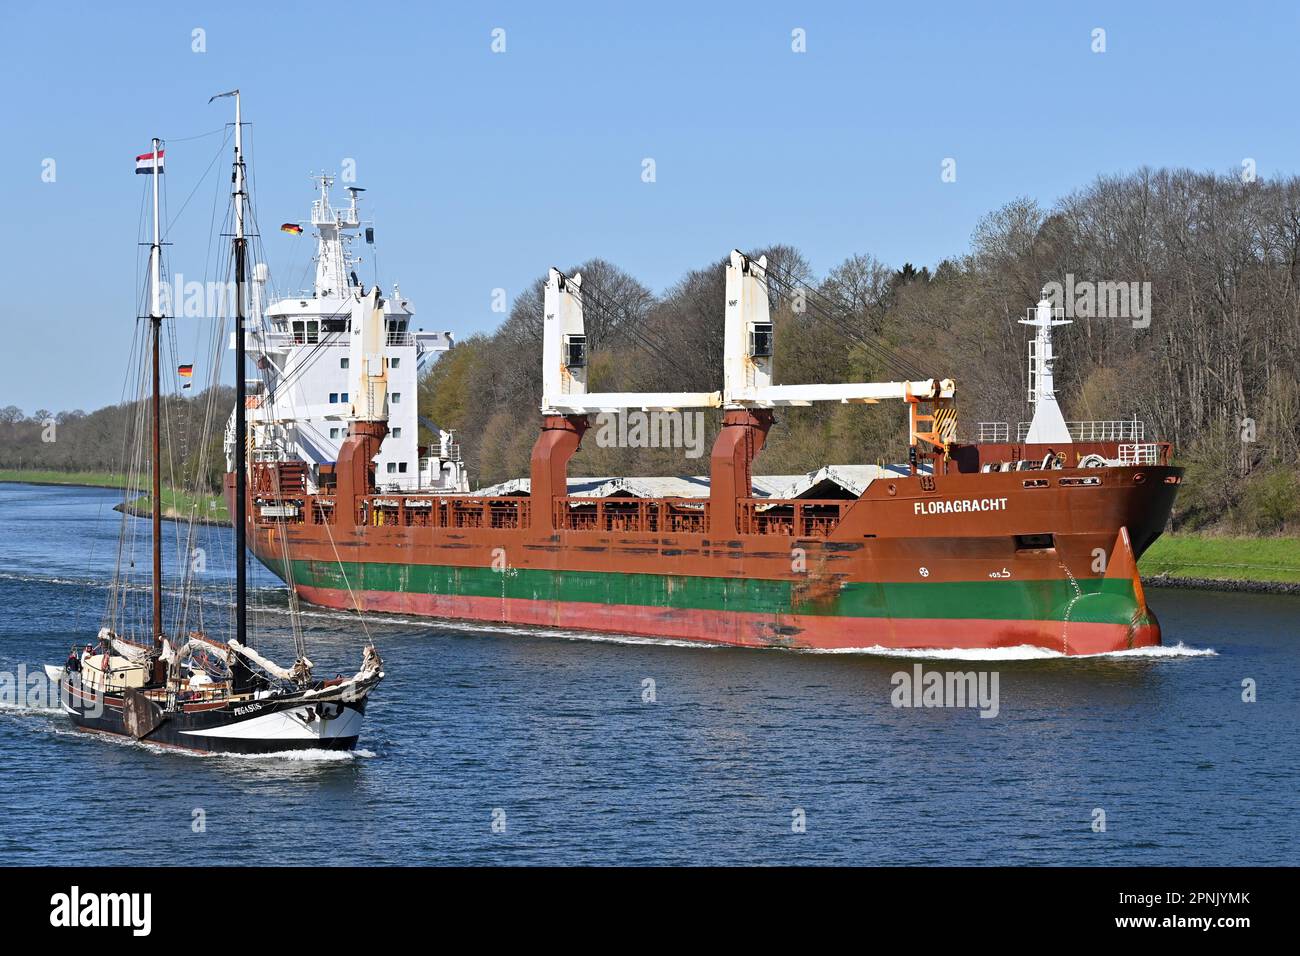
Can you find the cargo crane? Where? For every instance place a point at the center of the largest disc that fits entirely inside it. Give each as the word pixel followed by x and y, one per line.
pixel 747 397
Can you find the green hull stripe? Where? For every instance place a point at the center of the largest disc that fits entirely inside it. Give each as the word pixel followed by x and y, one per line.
pixel 1094 601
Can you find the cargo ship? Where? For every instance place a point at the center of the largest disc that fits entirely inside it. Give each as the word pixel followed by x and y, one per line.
pixel 997 542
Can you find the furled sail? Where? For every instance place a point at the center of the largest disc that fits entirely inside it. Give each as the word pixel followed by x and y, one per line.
pixel 132 652
pixel 270 666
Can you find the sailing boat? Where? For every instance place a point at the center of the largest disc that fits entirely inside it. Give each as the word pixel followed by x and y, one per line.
pixel 201 693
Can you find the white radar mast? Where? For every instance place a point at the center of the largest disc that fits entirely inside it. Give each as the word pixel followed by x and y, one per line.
pixel 1048 424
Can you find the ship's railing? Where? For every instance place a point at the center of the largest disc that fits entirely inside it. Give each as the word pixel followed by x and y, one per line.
pixel 670 515
pixel 1129 430
pixel 322 510
pixel 400 338
pixel 799 518
pixel 426 511
pixel 402 511
pixel 993 433
pixel 1146 453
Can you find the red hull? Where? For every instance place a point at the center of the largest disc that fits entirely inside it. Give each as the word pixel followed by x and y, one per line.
pixel 740 629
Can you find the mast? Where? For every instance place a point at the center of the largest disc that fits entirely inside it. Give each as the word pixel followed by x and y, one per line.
pixel 1048 424
pixel 241 425
pixel 155 322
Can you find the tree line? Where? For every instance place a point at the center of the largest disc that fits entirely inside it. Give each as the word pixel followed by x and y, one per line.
pixel 105 440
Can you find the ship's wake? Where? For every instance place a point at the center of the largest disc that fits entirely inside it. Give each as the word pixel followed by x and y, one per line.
pixel 317 756
pixel 300 756
pixel 1021 652
pixel 9 707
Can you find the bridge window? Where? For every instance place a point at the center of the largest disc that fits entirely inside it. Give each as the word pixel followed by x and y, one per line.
pixel 396 398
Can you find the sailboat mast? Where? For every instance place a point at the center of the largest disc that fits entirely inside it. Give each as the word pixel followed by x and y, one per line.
pixel 155 322
pixel 241 425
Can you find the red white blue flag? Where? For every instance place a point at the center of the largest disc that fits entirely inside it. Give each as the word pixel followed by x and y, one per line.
pixel 144 163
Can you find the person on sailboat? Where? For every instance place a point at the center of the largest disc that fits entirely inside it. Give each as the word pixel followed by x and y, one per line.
pixel 74 661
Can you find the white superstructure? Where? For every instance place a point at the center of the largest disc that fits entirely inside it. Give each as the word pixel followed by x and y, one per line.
pixel 307 353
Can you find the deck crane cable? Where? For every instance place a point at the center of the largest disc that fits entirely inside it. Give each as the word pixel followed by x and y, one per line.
pixel 835 313
pixel 841 316
pixel 892 360
pixel 627 324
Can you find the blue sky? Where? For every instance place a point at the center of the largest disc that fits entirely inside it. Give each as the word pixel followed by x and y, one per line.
pixel 483 169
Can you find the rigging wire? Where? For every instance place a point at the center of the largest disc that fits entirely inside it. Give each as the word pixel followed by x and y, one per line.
pixel 843 317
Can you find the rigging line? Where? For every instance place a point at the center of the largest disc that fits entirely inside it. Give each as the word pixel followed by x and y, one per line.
pixel 209 269
pixel 201 489
pixel 124 461
pixel 176 418
pixel 295 620
pixel 129 538
pixel 628 324
pixel 212 132
pixel 305 363
pixel 338 559
pixel 134 355
pixel 171 222
pixel 891 359
pixel 843 317
pixel 324 340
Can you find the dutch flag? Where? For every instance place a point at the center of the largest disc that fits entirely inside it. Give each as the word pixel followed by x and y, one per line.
pixel 144 163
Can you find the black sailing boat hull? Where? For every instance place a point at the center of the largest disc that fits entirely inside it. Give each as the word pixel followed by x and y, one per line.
pixel 248 727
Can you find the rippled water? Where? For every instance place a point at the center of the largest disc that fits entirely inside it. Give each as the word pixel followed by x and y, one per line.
pixel 549 733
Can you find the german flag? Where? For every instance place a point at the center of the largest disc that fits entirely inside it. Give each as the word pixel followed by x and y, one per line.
pixel 292 228
pixel 185 371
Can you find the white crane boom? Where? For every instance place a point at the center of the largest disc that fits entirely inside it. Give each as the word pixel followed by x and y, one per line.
pixel 564 362
pixel 747 359
pixel 748 354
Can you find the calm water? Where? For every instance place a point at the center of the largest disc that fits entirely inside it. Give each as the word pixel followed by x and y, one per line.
pixel 552 731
